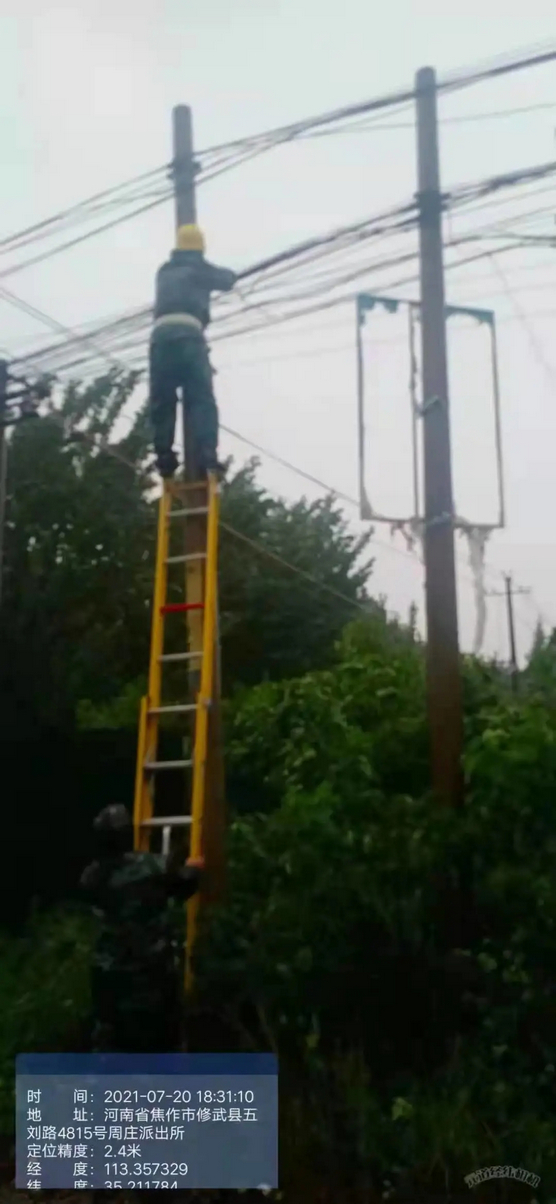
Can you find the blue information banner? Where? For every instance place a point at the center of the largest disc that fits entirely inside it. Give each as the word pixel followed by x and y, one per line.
pixel 146 1121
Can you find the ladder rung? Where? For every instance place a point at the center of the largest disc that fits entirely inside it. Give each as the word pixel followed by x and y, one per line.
pixel 151 766
pixel 181 709
pixel 176 487
pixel 174 608
pixel 166 821
pixel 186 557
pixel 180 656
pixel 189 513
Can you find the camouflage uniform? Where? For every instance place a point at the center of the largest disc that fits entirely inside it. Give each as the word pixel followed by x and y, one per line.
pixel 179 357
pixel 136 993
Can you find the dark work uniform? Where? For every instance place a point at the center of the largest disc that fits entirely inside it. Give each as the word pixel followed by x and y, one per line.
pixel 179 357
pixel 136 982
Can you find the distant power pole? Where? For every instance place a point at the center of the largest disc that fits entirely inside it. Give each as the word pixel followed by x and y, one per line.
pixel 511 628
pixel 443 665
pixel 509 593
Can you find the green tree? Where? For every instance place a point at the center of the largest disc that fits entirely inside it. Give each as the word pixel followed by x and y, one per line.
pixel 81 530
pixel 400 957
pixel 79 545
pixel 539 675
pixel 359 722
pixel 284 601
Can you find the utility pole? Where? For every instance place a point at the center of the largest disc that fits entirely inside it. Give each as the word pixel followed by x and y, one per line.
pixel 444 696
pixel 184 172
pixel 511 628
pixel 509 593
pixel 184 166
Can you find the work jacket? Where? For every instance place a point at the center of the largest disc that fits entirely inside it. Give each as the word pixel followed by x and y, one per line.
pixel 184 284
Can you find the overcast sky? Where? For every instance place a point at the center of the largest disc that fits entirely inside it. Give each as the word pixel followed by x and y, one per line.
pixel 86 91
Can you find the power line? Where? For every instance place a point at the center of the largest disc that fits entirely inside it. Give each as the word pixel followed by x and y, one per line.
pixel 322 585
pixel 533 58
pixel 548 368
pixel 39 314
pixel 44 355
pixel 318 352
pixel 107 329
pixel 84 210
pixel 493 183
pixel 296 251
pixel 108 449
pixel 87 208
pixel 459 195
pixel 337 494
pixel 507 179
pixel 371 126
pixel 74 242
pixel 331 244
pixel 356 230
pixel 285 463
pixel 314 480
pixel 349 298
pixel 77 209
pixel 452 82
pixel 240 150
pixel 258 547
pixel 524 216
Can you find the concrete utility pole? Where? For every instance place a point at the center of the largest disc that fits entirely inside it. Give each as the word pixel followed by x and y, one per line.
pixel 443 665
pixel 184 171
pixel 184 166
pixel 186 214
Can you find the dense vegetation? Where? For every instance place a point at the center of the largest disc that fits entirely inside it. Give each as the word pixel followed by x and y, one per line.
pixel 80 544
pixel 400 958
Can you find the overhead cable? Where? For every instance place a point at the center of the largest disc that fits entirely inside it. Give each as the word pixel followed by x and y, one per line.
pixel 75 210
pixel 450 82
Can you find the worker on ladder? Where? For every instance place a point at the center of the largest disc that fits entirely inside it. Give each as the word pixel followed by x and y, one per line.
pixel 179 356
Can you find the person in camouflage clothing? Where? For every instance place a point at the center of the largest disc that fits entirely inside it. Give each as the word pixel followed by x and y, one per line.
pixel 136 994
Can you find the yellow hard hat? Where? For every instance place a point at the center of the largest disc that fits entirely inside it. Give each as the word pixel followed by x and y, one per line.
pixel 190 238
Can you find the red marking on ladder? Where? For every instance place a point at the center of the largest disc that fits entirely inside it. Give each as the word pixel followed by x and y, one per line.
pixel 176 607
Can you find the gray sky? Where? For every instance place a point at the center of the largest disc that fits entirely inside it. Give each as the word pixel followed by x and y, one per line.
pixel 86 91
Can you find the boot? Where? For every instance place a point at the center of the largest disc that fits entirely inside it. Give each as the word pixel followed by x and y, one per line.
pixel 167 463
pixel 209 463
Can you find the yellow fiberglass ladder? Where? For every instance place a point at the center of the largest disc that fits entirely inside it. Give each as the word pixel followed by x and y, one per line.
pixel 198 506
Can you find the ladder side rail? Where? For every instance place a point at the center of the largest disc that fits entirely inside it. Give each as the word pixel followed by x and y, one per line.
pixel 204 702
pixel 148 722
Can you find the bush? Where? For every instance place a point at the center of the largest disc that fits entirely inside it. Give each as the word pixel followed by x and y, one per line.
pixel 400 958
pixel 44 994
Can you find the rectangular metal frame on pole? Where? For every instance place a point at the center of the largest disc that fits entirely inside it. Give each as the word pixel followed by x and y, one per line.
pixel 365 304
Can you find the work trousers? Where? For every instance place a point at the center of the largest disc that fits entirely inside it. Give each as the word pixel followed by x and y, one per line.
pixel 133 1013
pixel 179 360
